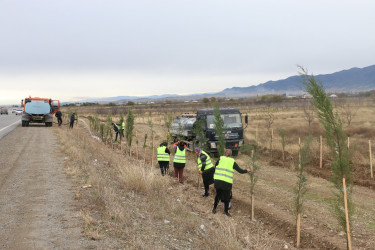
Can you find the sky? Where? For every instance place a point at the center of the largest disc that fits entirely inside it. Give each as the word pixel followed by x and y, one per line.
pixel 76 49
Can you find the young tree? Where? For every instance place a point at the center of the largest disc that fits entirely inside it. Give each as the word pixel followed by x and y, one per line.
pixel 309 112
pixel 349 112
pixel 121 121
pixel 219 129
pixel 283 142
pixel 129 127
pixel 301 186
pixel 200 136
pixel 253 177
pixel 168 120
pixel 337 141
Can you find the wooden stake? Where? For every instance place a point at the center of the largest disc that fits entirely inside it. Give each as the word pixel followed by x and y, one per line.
pixel 321 152
pixel 348 142
pixel 298 230
pixel 256 133
pixel 136 145
pixel 144 154
pixel 153 146
pixel 299 152
pixel 347 215
pixel 271 142
pixel 252 208
pixel 369 145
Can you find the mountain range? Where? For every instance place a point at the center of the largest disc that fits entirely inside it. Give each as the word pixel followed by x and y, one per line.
pixel 353 80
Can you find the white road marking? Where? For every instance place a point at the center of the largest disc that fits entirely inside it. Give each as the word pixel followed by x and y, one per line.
pixel 9 125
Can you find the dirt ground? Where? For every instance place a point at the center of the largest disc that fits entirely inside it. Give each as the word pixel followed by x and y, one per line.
pixel 274 206
pixel 38 209
pixel 37 204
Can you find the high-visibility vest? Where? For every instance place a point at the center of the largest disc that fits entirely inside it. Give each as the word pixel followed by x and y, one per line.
pixel 208 162
pixel 162 155
pixel 123 125
pixel 224 171
pixel 179 156
pixel 117 126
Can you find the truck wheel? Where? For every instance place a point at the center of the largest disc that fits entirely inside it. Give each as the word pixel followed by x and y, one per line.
pixel 26 124
pixel 235 152
pixel 23 124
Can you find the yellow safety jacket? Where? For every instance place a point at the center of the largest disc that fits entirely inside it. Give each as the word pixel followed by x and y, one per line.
pixel 208 162
pixel 179 156
pixel 162 155
pixel 224 171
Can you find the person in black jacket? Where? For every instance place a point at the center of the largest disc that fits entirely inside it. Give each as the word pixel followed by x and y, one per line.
pixel 58 115
pixel 72 119
pixel 163 153
pixel 223 179
pixel 116 128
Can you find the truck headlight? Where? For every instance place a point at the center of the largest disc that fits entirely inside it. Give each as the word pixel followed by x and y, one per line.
pixel 213 145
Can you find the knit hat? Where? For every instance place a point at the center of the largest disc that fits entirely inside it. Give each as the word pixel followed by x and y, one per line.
pixel 197 150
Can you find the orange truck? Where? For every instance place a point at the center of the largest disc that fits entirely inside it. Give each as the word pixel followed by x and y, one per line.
pixel 39 110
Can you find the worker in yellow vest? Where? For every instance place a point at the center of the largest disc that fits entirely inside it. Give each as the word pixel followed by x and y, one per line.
pixel 223 179
pixel 205 168
pixel 122 128
pixel 163 157
pixel 179 160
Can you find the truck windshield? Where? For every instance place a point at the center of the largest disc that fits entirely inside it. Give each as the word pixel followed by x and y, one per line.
pixel 230 121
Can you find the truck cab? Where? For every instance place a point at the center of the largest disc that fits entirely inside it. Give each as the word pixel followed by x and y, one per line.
pixel 233 128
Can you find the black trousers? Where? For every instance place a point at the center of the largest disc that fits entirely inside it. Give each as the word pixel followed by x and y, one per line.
pixel 164 166
pixel 224 196
pixel 208 179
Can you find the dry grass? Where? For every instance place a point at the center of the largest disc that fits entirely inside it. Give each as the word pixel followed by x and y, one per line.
pixel 129 202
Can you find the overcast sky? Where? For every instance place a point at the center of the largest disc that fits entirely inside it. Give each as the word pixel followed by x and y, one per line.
pixel 72 49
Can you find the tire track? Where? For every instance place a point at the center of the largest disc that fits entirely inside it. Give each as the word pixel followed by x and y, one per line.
pixel 13 164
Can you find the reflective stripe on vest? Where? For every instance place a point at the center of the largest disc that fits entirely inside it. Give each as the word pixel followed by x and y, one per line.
pixel 162 155
pixel 179 156
pixel 224 171
pixel 208 162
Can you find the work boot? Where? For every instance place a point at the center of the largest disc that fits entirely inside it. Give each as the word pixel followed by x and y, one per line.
pixel 227 214
pixel 204 195
pixel 214 210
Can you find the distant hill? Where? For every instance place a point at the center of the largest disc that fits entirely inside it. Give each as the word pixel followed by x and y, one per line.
pixel 347 81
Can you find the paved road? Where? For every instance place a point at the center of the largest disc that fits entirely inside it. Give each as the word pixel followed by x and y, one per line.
pixel 8 123
pixel 37 206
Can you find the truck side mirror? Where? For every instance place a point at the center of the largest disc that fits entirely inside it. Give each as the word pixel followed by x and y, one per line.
pixel 246 119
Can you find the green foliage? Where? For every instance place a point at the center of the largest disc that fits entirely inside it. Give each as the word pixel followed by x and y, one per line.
pixel 130 103
pixel 200 136
pixel 254 166
pixel 145 141
pixel 271 98
pixel 112 104
pixel 151 125
pixel 219 129
pixel 301 185
pixel 109 127
pixel 180 130
pixel 168 120
pixel 205 100
pixel 129 127
pixel 337 141
pixel 101 131
pixel 283 142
